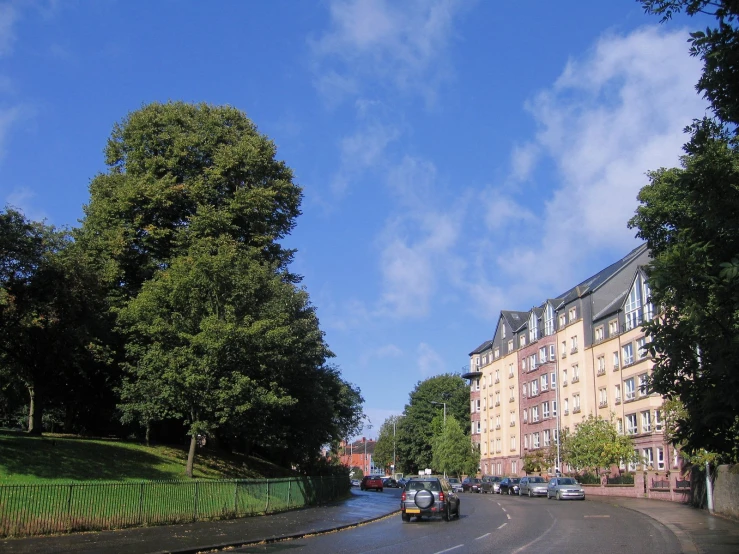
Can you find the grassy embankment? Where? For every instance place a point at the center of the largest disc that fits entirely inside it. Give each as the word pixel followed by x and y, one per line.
pixel 68 459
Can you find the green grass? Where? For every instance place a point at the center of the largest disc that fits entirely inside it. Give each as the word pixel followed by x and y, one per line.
pixel 52 458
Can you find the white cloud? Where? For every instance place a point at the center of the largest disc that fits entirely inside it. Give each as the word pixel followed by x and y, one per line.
pixel 399 44
pixel 8 118
pixel 8 18
pixel 611 116
pixel 429 361
pixel 523 160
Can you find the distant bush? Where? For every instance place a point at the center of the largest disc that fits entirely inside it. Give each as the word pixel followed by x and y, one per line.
pixel 588 479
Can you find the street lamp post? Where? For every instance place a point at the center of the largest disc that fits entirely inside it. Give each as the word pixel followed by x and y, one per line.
pixel 394 421
pixel 444 403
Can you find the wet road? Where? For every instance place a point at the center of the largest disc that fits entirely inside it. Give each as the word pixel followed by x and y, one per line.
pixel 507 524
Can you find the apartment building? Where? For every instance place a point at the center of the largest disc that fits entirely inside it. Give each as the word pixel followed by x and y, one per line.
pixel 581 353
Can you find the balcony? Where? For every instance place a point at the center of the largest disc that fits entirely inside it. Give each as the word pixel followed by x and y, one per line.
pixel 497 427
pixel 573 350
pixel 497 380
pixel 603 404
pixel 497 402
pixel 513 424
pixel 567 412
pixel 617 401
pixel 564 383
pixel 601 371
pixel 576 379
pixel 576 410
pixel 512 399
pixel 615 366
pixel 564 354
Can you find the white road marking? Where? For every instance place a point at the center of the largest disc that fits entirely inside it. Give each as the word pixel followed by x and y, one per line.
pixel 450 549
pixel 502 508
pixel 501 527
pixel 498 503
pixel 596 516
pixel 485 535
pixel 508 516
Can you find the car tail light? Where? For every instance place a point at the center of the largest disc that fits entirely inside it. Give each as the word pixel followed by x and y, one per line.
pixel 402 496
pixel 441 496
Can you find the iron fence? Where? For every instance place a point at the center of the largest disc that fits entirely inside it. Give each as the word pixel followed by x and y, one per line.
pixel 52 508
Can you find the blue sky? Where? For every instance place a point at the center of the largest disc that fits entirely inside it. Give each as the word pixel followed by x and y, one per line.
pixel 457 157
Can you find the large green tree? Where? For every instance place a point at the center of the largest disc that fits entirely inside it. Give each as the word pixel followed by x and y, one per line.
pixel 51 315
pixel 596 444
pixel 689 217
pixel 453 452
pixel 416 431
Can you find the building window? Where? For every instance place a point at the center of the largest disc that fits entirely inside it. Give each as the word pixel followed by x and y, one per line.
pixel 632 465
pixel 613 328
pixel 522 340
pixel 629 389
pixel 525 415
pixel 562 321
pixel 547 437
pixel 533 329
pixel 523 364
pixel 643 389
pixel 631 424
pixel 478 427
pixel 510 370
pixel 615 360
pixel 646 422
pixel 510 346
pixel 602 397
pixel 532 362
pixel 573 343
pixel 573 314
pixel 502 331
pixel 477 384
pixel 552 353
pixel 648 457
pixel 513 419
pixel 617 394
pixel 497 376
pixel 497 422
pixel 549 320
pixel 535 414
pixel 545 382
pixel 497 398
pixel 601 365
pixel 575 373
pixel 575 403
pixel 554 407
pixel 545 410
pixel 564 377
pixel 513 443
pixel 564 348
pixel 599 334
pixel 566 406
pixel 633 308
pixel 534 388
pixel 657 420
pixel 628 354
pixel 535 440
pixel 641 348
pixel 514 465
pixel 525 441
pixel 496 353
pixel 660 458
pixel 620 426
pixel 553 379
pixel 542 354
pixel 477 405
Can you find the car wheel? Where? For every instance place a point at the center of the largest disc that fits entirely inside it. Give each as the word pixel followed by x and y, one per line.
pixel 519 492
pixel 424 499
pixel 380 489
pixel 447 515
pixel 559 496
pixel 457 511
pixel 530 495
pixel 405 517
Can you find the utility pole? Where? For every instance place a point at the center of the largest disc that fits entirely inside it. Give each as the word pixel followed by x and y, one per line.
pixel 394 421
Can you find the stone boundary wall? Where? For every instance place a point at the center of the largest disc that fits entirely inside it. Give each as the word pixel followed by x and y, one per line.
pixel 657 485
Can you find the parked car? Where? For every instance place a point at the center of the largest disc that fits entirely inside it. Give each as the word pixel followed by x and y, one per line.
pixel 471 484
pixel 456 484
pixel 532 485
pixel 371 482
pixel 509 485
pixel 491 484
pixel 356 482
pixel 428 496
pixel 390 483
pixel 402 481
pixel 565 487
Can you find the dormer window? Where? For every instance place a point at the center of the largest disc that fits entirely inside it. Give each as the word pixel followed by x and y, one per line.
pixel 549 320
pixel 533 329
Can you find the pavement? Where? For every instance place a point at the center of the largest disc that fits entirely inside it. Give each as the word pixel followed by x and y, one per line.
pixel 698 531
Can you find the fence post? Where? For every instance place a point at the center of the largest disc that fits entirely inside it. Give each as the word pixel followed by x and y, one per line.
pixel 266 508
pixel 195 514
pixel 141 503
pixel 69 508
pixel 289 490
pixel 236 497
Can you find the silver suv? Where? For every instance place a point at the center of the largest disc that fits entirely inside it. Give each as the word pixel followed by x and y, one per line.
pixel 428 496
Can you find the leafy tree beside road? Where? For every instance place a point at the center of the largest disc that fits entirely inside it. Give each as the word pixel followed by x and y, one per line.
pixel 385 447
pixel 595 445
pixel 689 217
pixel 453 452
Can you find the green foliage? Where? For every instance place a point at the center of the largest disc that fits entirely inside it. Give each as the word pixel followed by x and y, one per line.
pixel 386 442
pixel 688 216
pixel 596 444
pixel 415 430
pixel 534 462
pixel 453 452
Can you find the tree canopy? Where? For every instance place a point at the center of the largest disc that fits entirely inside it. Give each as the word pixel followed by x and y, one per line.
pixel 596 444
pixel 689 217
pixel 452 450
pixel 385 447
pixel 415 431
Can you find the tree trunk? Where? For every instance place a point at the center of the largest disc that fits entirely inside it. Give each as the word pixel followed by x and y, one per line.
pixel 191 455
pixel 148 432
pixel 35 412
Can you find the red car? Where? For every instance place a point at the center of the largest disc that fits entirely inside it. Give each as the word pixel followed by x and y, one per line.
pixel 472 484
pixel 371 482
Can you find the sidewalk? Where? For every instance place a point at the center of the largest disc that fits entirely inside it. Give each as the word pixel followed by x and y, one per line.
pixel 361 507
pixel 697 530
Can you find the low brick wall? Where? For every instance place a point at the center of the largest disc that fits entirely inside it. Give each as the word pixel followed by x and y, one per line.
pixel 647 484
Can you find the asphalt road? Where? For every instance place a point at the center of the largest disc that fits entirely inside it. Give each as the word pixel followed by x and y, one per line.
pixel 501 524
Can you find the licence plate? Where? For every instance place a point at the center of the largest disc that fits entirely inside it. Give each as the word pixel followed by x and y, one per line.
pixel 412 511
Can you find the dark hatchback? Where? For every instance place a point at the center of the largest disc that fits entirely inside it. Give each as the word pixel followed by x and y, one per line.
pixel 472 484
pixel 509 485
